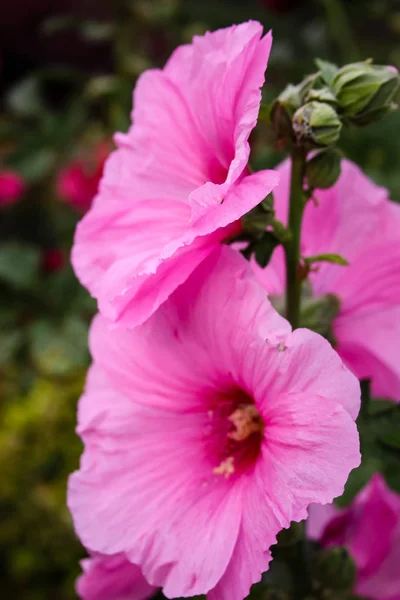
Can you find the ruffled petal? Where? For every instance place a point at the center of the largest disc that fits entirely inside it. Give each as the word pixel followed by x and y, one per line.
pixel 311 445
pixel 319 516
pixel 307 363
pixel 178 174
pixel 185 346
pixel 369 346
pixel 106 577
pixel 367 328
pixel 152 493
pixel 116 231
pixel 220 76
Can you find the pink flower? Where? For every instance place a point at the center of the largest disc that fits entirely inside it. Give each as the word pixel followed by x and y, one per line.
pixel 370 530
pixel 108 577
pixel 207 430
pixel 11 187
pixel 179 179
pixel 77 184
pixel 356 219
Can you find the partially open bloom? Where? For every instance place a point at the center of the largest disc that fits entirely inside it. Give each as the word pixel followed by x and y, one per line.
pixel 109 577
pixel 11 187
pixel 355 219
pixel 78 182
pixel 370 530
pixel 179 178
pixel 207 430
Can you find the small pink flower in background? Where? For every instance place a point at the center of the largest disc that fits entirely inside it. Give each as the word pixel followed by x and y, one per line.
pixel 112 577
pixel 370 530
pixel 356 219
pixel 12 187
pixel 178 182
pixel 53 260
pixel 78 182
pixel 207 430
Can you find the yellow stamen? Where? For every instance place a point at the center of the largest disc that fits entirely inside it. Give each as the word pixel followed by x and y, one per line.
pixel 247 420
pixel 225 468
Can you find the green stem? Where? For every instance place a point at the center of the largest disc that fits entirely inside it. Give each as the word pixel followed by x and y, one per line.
pixel 338 22
pixel 292 246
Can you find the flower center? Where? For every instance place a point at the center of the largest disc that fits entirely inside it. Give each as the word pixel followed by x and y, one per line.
pixel 237 432
pixel 246 420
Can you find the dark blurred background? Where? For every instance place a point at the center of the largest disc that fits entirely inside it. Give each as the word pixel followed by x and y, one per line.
pixel 67 69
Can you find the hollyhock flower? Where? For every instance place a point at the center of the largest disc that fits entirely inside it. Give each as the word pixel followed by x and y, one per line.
pixel 179 179
pixel 11 187
pixel 355 219
pixel 108 577
pixel 207 430
pixel 370 530
pixel 77 183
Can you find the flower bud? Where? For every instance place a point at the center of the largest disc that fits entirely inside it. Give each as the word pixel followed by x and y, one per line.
pixel 335 569
pixel 282 112
pixel 316 124
pixel 365 91
pixel 323 169
pixel 323 94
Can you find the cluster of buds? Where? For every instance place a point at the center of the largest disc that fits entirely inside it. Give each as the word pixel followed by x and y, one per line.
pixel 313 113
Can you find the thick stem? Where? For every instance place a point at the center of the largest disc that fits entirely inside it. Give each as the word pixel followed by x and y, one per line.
pixel 292 246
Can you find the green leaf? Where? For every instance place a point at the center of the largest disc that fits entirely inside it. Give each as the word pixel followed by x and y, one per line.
pixel 59 350
pixel 335 259
pixel 328 70
pixel 265 247
pixel 265 113
pixel 36 164
pixel 379 407
pixel 19 265
pixel 391 436
pixel 10 342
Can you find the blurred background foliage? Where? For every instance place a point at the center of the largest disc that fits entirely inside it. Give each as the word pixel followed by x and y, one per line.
pixel 67 72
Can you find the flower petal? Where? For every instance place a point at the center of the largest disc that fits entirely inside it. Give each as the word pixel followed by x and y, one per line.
pixel 164 355
pixel 179 173
pixel 152 492
pixel 311 445
pixel 304 459
pixel 106 577
pixel 308 364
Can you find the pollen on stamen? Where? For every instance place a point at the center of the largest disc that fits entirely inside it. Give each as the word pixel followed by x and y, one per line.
pixel 225 468
pixel 246 420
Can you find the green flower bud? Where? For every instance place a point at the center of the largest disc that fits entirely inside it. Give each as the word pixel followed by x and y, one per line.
pixel 335 569
pixel 323 94
pixel 365 91
pixel 282 112
pixel 323 169
pixel 316 124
